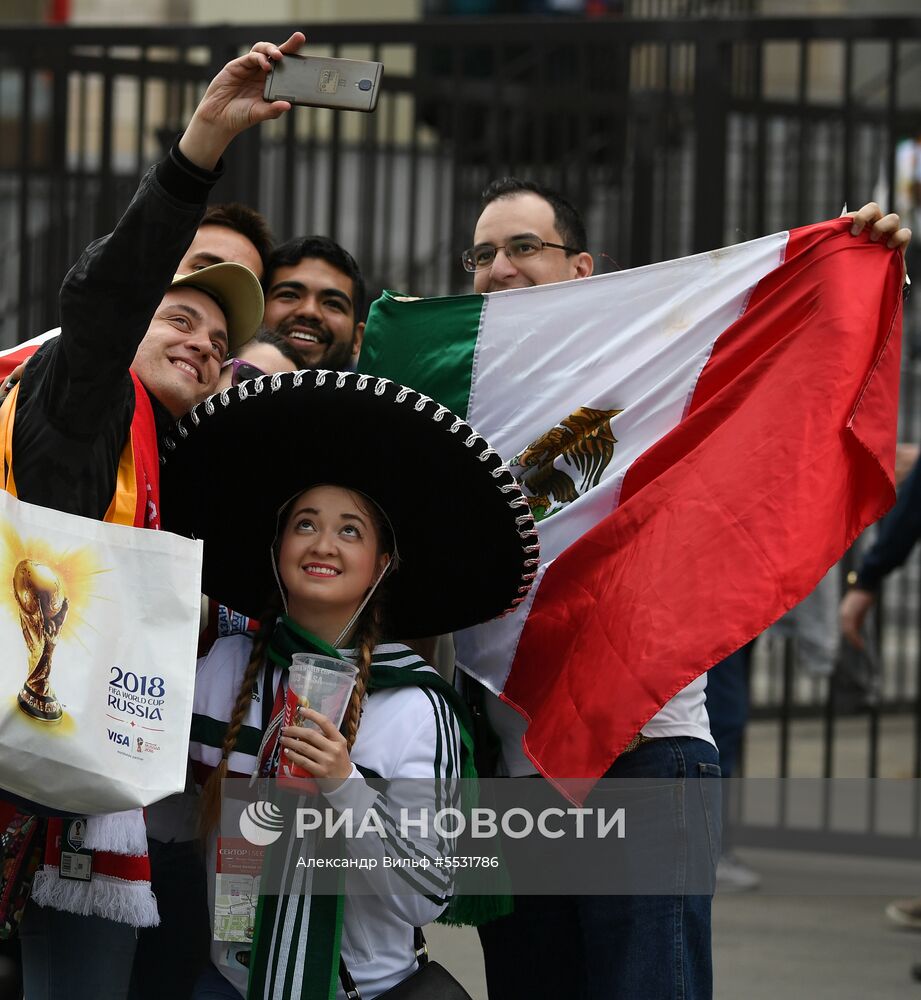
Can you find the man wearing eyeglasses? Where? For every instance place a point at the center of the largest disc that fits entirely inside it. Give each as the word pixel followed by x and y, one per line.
pixel 654 947
pixel 526 235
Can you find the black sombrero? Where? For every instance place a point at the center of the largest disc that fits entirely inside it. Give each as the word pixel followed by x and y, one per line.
pixel 464 531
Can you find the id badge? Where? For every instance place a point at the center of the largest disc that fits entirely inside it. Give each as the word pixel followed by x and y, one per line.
pixel 236 889
pixel 234 957
pixel 76 860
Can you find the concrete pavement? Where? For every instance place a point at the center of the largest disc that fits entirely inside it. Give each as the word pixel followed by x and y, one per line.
pixel 774 944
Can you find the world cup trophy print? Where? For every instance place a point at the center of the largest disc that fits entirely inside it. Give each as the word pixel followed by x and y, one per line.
pixel 39 593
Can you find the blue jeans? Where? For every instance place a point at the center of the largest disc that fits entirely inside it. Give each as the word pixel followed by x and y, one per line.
pixel 170 957
pixel 654 947
pixel 70 957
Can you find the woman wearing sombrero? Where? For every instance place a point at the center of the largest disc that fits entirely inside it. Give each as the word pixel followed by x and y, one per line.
pixel 345 512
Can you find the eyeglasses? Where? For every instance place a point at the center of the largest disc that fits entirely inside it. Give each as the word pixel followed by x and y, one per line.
pixel 242 370
pixel 525 248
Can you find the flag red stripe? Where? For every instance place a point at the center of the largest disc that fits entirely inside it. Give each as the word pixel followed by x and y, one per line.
pixel 785 455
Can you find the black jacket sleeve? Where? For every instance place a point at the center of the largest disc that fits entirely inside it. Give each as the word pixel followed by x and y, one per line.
pixel 110 295
pixel 76 399
pixel 898 532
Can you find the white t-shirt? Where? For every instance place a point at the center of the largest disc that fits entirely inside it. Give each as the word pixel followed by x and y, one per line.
pixel 683 715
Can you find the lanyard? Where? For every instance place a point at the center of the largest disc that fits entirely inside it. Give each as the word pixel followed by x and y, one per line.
pixel 272 714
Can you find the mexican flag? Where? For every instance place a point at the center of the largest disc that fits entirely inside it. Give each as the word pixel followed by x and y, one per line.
pixel 700 439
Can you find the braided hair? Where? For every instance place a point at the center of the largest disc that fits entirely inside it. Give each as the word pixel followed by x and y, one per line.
pixel 369 628
pixel 367 635
pixel 209 807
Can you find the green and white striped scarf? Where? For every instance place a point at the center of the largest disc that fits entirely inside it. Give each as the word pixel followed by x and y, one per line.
pixel 297 934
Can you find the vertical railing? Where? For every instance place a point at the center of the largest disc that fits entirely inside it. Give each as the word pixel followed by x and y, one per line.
pixel 24 188
pixel 711 110
pixel 662 131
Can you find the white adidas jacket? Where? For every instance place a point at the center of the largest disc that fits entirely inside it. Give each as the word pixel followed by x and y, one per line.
pixel 405 732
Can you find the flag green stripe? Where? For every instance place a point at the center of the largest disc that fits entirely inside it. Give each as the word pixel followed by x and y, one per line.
pixel 398 345
pixel 266 909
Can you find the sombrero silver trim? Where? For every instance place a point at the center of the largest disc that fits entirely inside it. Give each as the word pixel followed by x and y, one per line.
pixel 505 482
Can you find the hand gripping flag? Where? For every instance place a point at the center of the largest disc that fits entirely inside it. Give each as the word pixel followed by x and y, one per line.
pixel 700 439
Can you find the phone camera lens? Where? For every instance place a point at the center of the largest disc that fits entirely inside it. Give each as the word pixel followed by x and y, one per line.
pixel 364 84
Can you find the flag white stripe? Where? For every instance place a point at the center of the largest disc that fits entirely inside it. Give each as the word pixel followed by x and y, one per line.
pixel 35 341
pixel 603 337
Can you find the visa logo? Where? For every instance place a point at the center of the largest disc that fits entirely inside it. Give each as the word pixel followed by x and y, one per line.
pixel 120 738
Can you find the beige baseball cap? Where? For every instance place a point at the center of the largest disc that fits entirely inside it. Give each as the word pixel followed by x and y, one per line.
pixel 237 291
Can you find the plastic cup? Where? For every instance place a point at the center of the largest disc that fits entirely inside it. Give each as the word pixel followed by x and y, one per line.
pixel 324 684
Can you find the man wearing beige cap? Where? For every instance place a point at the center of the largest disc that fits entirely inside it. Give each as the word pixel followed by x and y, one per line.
pixel 77 402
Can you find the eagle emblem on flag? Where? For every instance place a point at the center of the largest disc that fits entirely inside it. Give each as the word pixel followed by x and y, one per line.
pixel 566 461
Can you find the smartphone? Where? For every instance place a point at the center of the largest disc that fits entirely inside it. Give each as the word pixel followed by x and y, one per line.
pixel 320 82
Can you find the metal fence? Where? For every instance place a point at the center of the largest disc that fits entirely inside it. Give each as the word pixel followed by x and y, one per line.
pixel 673 136
pixel 593 8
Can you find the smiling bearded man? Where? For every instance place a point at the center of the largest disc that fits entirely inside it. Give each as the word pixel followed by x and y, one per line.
pixel 314 294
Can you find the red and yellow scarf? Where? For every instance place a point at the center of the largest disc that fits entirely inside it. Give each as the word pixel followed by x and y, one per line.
pixel 120 885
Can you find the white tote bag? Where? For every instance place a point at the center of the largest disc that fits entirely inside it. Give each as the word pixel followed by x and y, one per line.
pixel 98 631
